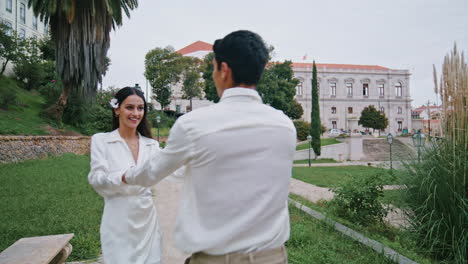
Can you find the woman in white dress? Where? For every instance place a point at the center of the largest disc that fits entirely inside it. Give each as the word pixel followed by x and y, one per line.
pixel 130 231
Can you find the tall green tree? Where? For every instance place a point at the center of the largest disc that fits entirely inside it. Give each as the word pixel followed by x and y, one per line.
pixel 81 33
pixel 8 46
pixel 315 125
pixel 163 67
pixel 372 118
pixel 277 88
pixel 209 87
pixel 192 82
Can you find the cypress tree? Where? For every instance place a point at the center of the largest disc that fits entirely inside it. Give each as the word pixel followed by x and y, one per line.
pixel 315 129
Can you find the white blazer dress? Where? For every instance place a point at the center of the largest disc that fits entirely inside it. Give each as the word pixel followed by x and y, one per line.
pixel 130 231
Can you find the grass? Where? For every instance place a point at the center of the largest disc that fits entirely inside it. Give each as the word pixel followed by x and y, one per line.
pixel 330 176
pixel 399 240
pixel 47 197
pixel 323 142
pixel 313 241
pixel 306 161
pixel 163 132
pixel 24 118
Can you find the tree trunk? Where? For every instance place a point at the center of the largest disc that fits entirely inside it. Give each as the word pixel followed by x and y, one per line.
pixel 56 110
pixel 4 67
pixel 190 104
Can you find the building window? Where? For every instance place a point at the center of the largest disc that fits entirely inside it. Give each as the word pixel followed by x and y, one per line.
pixel 400 110
pixel 9 6
pixel 23 13
pixel 398 89
pixel 349 89
pixel 350 110
pixel 333 89
pixel 381 90
pixel 9 28
pixel 334 124
pixel 400 125
pixel 177 108
pixel 22 33
pixel 299 89
pixel 34 22
pixel 382 109
pixel 365 89
pixel 333 110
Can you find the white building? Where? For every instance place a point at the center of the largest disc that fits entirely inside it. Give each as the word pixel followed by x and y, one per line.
pixel 16 15
pixel 344 91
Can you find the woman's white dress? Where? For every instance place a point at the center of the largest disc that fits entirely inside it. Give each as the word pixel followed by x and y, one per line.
pixel 130 232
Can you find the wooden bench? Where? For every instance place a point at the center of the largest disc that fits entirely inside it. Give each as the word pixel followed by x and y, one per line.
pixel 38 250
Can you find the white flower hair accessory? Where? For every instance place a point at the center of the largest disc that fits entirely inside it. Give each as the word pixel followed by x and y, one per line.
pixel 113 103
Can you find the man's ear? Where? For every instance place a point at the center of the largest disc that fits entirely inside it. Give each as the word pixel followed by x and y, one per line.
pixel 225 70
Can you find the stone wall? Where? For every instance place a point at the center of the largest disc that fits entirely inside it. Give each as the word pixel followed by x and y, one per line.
pixel 19 148
pixel 339 152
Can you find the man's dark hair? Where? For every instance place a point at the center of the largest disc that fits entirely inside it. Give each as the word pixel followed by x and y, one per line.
pixel 245 53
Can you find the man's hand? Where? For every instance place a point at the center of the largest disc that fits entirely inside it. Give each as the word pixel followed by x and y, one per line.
pixel 123 179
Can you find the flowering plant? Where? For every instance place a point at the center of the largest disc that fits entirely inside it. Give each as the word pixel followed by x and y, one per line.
pixel 113 103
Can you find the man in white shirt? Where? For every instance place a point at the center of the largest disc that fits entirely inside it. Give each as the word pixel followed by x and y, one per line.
pixel 238 156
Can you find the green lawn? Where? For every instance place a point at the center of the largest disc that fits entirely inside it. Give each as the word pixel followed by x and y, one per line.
pixel 323 142
pixel 399 240
pixel 331 176
pixel 24 118
pixel 306 161
pixel 313 241
pixel 163 132
pixel 47 197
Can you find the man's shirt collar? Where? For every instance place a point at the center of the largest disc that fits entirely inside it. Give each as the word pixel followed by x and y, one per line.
pixel 240 91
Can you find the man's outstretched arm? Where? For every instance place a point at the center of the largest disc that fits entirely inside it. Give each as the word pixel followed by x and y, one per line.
pixel 178 151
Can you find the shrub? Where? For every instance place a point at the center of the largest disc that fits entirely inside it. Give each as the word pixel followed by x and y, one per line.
pixel 51 91
pixel 437 198
pixel 302 129
pixel 357 199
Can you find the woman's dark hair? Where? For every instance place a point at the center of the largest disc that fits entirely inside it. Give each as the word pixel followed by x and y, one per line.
pixel 144 127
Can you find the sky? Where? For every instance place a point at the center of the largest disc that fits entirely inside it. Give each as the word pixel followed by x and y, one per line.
pixel 398 34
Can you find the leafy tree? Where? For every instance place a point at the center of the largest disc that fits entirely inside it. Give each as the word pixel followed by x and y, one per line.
pixel 315 125
pixel 8 46
pixel 163 67
pixel 209 88
pixel 192 84
pixel 295 110
pixel 277 88
pixel 372 118
pixel 80 28
pixel 302 129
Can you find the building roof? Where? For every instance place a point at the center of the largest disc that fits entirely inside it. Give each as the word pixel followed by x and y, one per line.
pixel 203 46
pixel 340 66
pixel 196 46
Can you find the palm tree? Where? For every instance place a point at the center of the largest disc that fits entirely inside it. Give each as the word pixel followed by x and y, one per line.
pixel 80 30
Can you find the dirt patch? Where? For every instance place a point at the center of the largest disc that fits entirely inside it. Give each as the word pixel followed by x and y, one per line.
pixel 60 132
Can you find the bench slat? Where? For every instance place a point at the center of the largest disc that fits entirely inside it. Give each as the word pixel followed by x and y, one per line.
pixel 35 250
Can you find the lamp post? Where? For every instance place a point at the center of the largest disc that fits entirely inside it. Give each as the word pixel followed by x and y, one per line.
pixel 137 86
pixel 309 138
pixel 390 142
pixel 418 141
pixel 158 120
